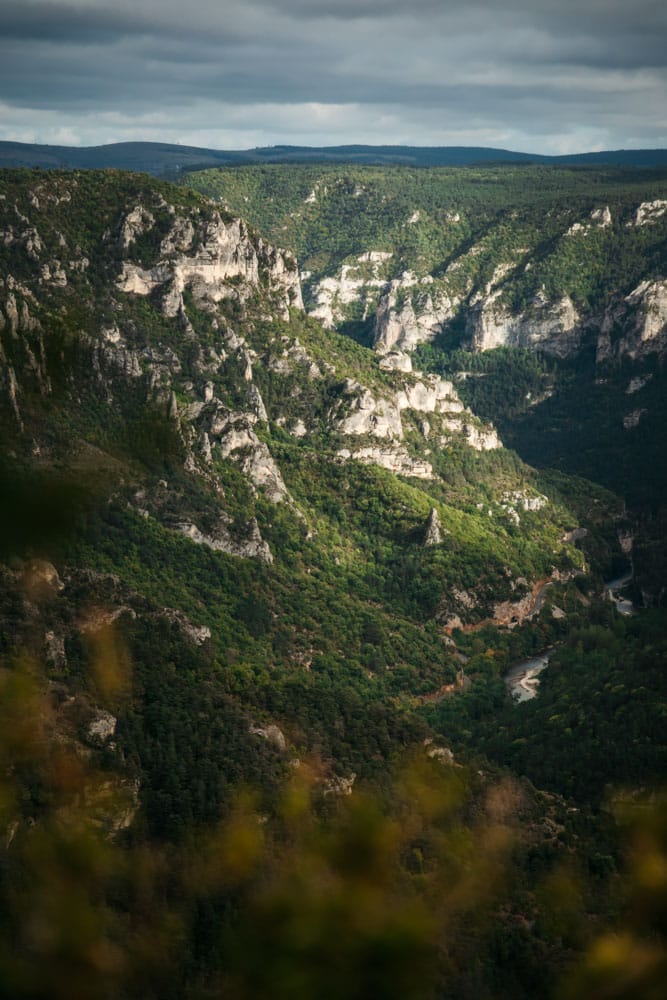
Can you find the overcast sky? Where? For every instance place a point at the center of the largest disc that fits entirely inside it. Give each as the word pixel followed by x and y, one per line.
pixel 552 76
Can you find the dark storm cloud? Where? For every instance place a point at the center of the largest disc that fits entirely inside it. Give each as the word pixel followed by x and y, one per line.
pixel 59 22
pixel 431 70
pixel 66 23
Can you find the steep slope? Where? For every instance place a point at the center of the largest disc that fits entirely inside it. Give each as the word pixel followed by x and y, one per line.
pixel 281 477
pixel 540 292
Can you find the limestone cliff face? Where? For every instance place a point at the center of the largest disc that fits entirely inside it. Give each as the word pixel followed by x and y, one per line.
pixel 488 264
pixel 648 212
pixel 226 253
pixel 411 311
pixel 406 310
pixel 358 412
pixel 221 540
pixel 364 413
pixel 640 319
pixel 357 283
pixel 600 218
pixel 632 326
pixel 429 394
pixel 553 327
pixel 396 459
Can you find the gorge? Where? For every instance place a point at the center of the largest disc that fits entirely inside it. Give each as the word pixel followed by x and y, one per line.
pixel 300 474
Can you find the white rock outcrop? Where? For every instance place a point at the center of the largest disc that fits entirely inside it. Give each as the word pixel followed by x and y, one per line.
pixel 231 434
pixel 252 547
pixel 430 394
pixel 642 318
pixel 258 465
pixel 481 438
pixel 395 361
pixel 600 218
pixel 484 438
pixel 648 212
pixel 272 734
pixel 443 754
pixel 340 785
pixel 358 282
pixel 524 500
pixel 515 500
pixel 631 420
pixel 637 383
pixel 433 530
pixel 396 459
pixel 198 634
pixel 138 221
pixel 553 327
pixel 410 311
pixel 179 238
pixel 103 726
pixel 366 414
pixel 225 252
pixel 380 416
pixel 292 356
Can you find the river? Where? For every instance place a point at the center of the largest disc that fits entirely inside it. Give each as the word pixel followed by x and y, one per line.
pixel 613 588
pixel 523 678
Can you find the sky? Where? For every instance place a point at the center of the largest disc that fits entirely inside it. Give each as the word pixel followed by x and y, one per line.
pixel 542 76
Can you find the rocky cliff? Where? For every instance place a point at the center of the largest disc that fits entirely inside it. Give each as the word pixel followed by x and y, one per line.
pixel 163 308
pixel 194 348
pixel 552 327
pixel 635 326
pixel 536 259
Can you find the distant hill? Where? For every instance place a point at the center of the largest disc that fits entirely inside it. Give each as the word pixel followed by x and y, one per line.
pixel 160 158
pixel 147 157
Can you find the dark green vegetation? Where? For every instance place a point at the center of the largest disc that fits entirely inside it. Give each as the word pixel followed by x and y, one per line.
pixel 329 213
pixel 569 415
pixel 598 721
pixel 189 544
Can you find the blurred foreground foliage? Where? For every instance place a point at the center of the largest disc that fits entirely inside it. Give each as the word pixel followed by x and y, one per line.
pixel 630 960
pixel 400 892
pixel 339 898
